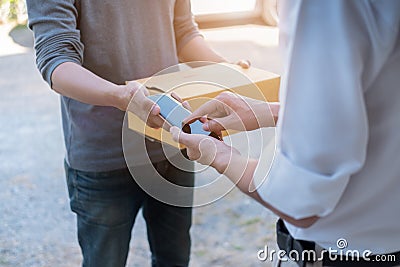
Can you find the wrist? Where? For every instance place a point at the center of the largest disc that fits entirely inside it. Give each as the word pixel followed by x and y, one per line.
pixel 274 107
pixel 220 163
pixel 115 96
pixel 264 115
pixel 239 170
pixel 228 162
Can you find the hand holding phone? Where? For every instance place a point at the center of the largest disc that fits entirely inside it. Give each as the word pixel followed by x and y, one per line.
pixel 174 113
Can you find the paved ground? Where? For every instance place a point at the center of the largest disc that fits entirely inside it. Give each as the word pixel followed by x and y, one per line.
pixel 37 228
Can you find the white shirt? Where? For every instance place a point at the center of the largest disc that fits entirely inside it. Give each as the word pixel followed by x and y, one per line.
pixel 338 137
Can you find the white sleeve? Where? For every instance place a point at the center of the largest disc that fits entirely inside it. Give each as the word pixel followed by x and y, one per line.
pixel 323 129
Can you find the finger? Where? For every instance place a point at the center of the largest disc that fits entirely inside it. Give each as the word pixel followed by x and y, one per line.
pixel 216 134
pixel 155 122
pixel 141 96
pixel 147 104
pixel 189 140
pixel 244 63
pixel 136 87
pixel 186 105
pixel 155 110
pixel 166 125
pixel 180 137
pixel 175 95
pixel 209 108
pixel 144 90
pixel 134 84
pixel 203 119
pixel 219 124
pixel 208 151
pixel 175 132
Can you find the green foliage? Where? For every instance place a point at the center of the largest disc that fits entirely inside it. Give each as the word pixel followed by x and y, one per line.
pixel 12 9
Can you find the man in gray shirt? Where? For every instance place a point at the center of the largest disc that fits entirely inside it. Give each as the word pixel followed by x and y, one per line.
pixel 86 50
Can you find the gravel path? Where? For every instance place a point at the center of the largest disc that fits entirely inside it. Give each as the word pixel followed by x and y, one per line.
pixel 37 228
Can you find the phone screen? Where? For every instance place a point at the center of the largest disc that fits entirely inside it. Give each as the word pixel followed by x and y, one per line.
pixel 174 113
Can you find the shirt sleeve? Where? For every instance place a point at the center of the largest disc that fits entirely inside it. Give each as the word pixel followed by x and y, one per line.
pixel 184 25
pixel 322 131
pixel 57 39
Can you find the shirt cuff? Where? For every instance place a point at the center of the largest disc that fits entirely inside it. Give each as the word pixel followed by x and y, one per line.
pixel 295 191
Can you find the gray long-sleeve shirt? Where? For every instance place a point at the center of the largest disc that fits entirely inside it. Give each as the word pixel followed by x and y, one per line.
pixel 118 40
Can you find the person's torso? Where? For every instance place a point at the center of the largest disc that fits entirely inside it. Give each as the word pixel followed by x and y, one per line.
pixel 123 40
pixel 368 213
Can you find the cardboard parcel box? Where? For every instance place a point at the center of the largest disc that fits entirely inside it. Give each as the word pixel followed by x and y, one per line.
pixel 199 85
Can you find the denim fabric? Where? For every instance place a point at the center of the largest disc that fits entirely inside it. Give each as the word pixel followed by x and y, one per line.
pixel 106 204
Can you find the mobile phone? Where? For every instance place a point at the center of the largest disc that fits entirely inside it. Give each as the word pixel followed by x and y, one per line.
pixel 174 113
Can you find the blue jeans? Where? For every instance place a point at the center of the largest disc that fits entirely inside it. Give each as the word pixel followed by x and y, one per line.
pixel 106 204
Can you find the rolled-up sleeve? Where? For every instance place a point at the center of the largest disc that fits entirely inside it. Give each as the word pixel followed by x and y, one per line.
pixel 322 132
pixel 184 25
pixel 57 39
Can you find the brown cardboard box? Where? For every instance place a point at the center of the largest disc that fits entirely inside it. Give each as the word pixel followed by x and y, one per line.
pixel 198 85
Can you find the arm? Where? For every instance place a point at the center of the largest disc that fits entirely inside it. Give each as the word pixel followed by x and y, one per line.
pixel 190 43
pixel 89 88
pixel 322 133
pixel 246 168
pixel 240 171
pixel 59 55
pixel 232 111
pixel 197 49
pixel 85 87
pixel 323 127
pixel 228 161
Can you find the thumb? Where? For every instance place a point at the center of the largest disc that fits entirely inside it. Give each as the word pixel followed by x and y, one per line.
pixel 208 151
pixel 179 136
pixel 218 124
pixel 147 104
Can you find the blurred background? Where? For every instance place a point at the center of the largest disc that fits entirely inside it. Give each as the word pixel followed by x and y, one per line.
pixel 37 227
